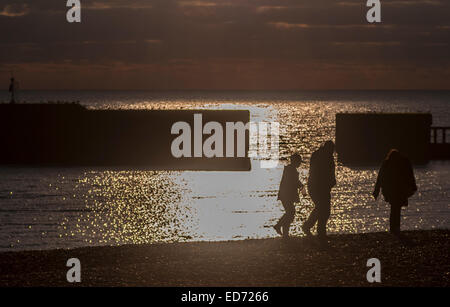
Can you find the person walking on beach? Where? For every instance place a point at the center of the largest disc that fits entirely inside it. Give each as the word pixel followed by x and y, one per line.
pixel 288 194
pixel 321 180
pixel 397 183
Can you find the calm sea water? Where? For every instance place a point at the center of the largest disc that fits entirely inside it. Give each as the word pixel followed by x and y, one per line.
pixel 46 208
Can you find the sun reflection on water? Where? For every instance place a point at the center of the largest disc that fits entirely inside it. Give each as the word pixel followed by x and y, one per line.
pixel 106 206
pixel 148 206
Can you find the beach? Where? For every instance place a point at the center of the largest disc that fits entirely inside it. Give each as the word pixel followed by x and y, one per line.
pixel 420 259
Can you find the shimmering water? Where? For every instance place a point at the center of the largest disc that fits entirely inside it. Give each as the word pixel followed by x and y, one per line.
pixel 43 208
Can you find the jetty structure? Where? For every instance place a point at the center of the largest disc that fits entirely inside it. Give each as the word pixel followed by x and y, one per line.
pixel 365 138
pixel 69 134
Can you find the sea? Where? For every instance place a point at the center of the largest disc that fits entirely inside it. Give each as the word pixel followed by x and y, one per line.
pixel 44 208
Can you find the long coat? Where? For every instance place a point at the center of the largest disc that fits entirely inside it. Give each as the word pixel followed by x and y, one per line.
pixel 289 185
pixel 322 177
pixel 396 181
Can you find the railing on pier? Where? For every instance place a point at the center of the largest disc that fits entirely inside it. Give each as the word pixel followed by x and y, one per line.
pixel 440 143
pixel 434 135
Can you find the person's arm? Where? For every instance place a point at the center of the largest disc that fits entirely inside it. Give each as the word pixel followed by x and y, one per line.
pixel 333 173
pixel 376 191
pixel 411 178
pixel 293 179
pixel 297 181
pixel 283 179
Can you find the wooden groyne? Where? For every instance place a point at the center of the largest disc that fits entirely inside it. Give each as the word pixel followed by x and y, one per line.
pixel 71 135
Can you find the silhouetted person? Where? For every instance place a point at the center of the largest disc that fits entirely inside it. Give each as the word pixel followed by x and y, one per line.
pixel 288 194
pixel 12 90
pixel 397 183
pixel 320 182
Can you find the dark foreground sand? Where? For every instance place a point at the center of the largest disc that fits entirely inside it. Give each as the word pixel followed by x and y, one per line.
pixel 421 260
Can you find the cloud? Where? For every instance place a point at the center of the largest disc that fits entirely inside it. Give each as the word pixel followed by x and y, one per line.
pixel 368 44
pixel 398 3
pixel 288 26
pixel 404 3
pixel 117 4
pixel 263 44
pixel 197 3
pixel 268 8
pixel 15 10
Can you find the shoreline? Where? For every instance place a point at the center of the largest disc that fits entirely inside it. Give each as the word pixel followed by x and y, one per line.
pixel 418 260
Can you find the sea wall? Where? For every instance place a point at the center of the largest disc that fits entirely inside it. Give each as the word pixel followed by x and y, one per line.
pixel 69 134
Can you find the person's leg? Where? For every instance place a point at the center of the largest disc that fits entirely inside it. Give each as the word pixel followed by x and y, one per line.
pixel 288 218
pixel 312 219
pixel 277 226
pixel 324 207
pixel 283 219
pixel 324 214
pixel 394 219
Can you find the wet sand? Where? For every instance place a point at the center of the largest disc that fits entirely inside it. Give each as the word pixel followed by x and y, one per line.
pixel 421 259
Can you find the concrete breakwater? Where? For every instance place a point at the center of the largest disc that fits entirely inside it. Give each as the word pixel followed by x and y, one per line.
pixel 367 137
pixel 69 134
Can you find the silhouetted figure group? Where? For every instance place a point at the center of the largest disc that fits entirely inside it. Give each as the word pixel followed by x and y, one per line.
pixel 395 180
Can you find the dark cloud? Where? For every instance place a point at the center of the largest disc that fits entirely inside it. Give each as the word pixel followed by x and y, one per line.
pixel 217 44
pixel 15 10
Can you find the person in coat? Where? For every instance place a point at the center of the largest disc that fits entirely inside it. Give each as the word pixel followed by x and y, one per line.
pixel 321 180
pixel 289 195
pixel 397 183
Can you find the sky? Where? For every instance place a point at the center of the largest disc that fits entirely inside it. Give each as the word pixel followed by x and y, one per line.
pixel 226 45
